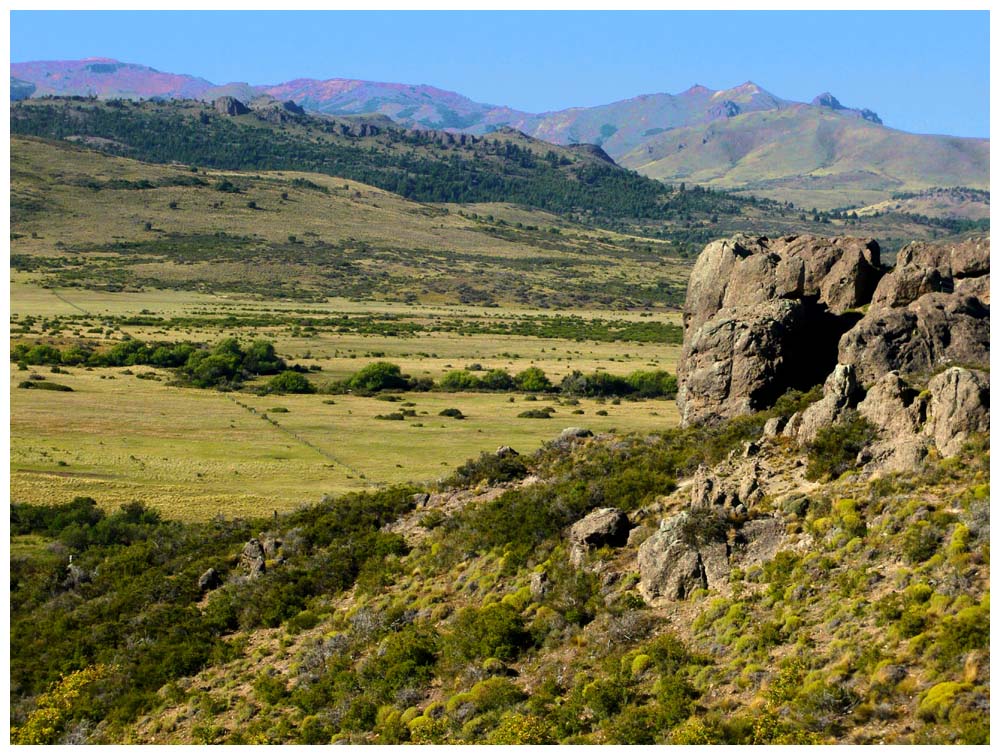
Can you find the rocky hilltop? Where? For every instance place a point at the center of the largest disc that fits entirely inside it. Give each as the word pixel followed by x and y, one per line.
pixel 907 356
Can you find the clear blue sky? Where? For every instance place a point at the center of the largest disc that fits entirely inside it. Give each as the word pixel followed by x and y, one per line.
pixel 926 72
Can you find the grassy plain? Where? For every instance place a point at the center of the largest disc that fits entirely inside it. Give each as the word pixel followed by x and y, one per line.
pixel 196 453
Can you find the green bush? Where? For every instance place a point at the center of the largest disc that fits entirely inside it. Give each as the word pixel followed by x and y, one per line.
pixel 44 386
pixel 545 413
pixel 836 447
pixel 459 380
pixel 489 467
pixel 290 381
pixel 378 376
pixel 496 631
pixel 532 380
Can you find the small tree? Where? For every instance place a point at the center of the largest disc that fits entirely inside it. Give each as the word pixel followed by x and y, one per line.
pixel 290 381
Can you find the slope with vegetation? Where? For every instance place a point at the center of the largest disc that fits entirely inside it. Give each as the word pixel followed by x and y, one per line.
pixel 784 575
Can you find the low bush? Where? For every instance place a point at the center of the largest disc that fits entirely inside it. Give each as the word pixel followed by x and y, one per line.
pixel 836 447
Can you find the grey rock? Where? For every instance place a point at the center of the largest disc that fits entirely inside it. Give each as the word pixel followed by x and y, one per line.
pixel 773 427
pixel 763 315
pixel 671 566
pixel 840 393
pixel 605 526
pixel 252 558
pixel 575 432
pixel 933 331
pixel 209 580
pixel 758 541
pixel 539 585
pixel 737 361
pixel 420 499
pixel 230 106
pixel 959 406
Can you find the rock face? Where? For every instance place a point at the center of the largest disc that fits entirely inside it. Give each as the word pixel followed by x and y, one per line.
pixel 763 315
pixel 931 310
pixel 230 106
pixel 252 558
pixel 840 392
pixel 933 331
pixel 692 551
pixel 959 405
pixel 209 580
pixel 607 526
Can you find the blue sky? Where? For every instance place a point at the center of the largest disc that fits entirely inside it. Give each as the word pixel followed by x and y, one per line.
pixel 926 72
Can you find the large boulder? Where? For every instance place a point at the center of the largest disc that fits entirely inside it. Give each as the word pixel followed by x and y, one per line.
pixel 605 526
pixel 736 362
pixel 959 406
pixel 764 315
pixel 252 558
pixel 670 562
pixel 841 392
pixel 933 331
pixel 230 106
pixel 691 551
pixel 930 311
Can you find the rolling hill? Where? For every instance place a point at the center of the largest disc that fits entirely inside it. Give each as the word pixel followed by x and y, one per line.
pixel 819 154
pixel 797 151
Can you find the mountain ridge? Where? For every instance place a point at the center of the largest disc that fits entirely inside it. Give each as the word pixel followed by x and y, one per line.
pixel 841 156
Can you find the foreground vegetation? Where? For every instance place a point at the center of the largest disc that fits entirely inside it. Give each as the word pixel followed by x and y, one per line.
pixel 438 631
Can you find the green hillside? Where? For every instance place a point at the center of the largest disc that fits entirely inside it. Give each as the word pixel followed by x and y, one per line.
pixel 810 155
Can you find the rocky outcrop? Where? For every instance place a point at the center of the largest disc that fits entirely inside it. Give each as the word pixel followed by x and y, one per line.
pixel 840 393
pixel 959 406
pixel 692 550
pixel 671 565
pixel 762 316
pixel 930 311
pixel 605 526
pixel 209 580
pixel 737 490
pixel 230 106
pixel 933 331
pixel 252 558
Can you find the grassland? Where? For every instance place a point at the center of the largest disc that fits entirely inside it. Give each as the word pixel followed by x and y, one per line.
pixel 195 453
pixel 336 274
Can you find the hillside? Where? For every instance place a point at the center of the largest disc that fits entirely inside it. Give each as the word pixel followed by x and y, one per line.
pixel 83 218
pixel 817 154
pixel 802 153
pixel 810 567
pixel 424 166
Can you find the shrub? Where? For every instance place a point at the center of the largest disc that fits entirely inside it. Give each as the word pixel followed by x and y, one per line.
pixel 545 413
pixel 532 380
pixel 377 376
pixel 496 631
pixel 456 413
pixel 653 384
pixel 44 386
pixel 920 541
pixel 489 467
pixel 459 380
pixel 836 447
pixel 290 381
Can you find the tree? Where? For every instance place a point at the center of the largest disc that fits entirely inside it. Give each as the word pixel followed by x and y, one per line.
pixel 533 380
pixel 290 381
pixel 377 376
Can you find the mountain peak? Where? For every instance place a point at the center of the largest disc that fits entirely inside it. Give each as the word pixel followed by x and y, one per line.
pixel 827 100
pixel 696 89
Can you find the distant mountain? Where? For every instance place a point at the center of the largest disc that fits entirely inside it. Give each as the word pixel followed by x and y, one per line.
pixel 808 148
pixel 106 78
pixel 744 137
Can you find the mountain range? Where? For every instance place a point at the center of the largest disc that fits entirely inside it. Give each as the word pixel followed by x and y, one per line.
pixel 820 153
